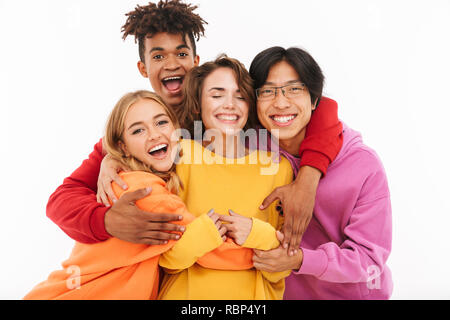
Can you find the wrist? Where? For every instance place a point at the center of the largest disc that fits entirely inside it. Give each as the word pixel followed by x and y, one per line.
pixel 298 260
pixel 308 176
pixel 249 223
pixel 98 223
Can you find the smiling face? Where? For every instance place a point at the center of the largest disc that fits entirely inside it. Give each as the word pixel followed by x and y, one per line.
pixel 222 105
pixel 147 135
pixel 168 57
pixel 288 116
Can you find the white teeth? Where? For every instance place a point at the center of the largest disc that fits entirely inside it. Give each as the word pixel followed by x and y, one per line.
pixel 227 117
pixel 158 147
pixel 283 119
pixel 172 78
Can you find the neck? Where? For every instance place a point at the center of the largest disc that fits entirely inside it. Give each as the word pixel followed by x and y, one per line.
pixel 292 145
pixel 228 146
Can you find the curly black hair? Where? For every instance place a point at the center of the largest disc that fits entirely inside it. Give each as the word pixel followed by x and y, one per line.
pixel 171 16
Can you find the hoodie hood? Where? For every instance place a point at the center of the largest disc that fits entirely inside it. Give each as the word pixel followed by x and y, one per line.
pixel 351 140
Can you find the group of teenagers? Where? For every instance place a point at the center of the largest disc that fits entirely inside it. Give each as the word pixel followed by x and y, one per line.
pixel 160 212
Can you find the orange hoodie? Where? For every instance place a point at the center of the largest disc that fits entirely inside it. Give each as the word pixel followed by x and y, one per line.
pixel 120 270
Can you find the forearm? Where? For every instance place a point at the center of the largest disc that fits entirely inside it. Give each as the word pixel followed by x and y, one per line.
pixel 201 236
pixel 308 178
pixel 340 265
pixel 367 246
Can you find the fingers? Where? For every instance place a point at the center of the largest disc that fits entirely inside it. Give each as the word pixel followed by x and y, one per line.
pixel 161 217
pixel 258 255
pixel 216 220
pixel 280 236
pixel 262 266
pixel 269 199
pixel 295 235
pixel 136 195
pixel 108 193
pixel 102 197
pixel 151 242
pixel 214 216
pixel 234 214
pixel 299 227
pixel 227 218
pixel 117 179
pixel 222 230
pixel 158 235
pixel 287 230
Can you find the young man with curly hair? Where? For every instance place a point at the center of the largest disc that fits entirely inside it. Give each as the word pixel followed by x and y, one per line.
pixel 166 33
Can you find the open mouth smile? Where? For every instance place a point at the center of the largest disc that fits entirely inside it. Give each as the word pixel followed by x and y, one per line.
pixel 173 84
pixel 159 151
pixel 227 118
pixel 283 120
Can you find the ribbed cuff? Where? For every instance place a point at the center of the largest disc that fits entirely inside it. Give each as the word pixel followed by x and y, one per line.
pixel 97 224
pixel 315 159
pixel 207 231
pixel 315 263
pixel 262 236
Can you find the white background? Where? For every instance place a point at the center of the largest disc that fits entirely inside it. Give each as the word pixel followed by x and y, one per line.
pixel 63 66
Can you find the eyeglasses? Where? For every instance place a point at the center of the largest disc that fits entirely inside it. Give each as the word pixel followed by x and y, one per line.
pixel 289 91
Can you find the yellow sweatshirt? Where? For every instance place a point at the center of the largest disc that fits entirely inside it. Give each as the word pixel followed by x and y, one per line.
pixel 214 182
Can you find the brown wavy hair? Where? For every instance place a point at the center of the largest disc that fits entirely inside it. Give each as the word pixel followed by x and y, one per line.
pixel 171 16
pixel 193 87
pixel 115 128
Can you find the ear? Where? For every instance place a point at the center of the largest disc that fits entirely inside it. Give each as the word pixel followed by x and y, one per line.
pixel 124 149
pixel 196 60
pixel 142 69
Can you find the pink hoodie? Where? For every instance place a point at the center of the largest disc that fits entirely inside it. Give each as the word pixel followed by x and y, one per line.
pixel 348 241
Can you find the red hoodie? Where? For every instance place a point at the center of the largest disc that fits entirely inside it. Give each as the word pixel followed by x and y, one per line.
pixel 74 207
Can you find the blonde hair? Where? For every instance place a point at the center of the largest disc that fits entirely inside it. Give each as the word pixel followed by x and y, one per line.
pixel 115 128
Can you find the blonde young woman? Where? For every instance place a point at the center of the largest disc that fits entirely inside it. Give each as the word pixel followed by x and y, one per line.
pixel 140 135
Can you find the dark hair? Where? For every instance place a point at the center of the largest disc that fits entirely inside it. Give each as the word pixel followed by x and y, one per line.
pixel 307 68
pixel 171 16
pixel 193 87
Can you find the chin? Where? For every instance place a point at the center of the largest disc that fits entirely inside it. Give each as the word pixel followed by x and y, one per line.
pixel 163 168
pixel 172 101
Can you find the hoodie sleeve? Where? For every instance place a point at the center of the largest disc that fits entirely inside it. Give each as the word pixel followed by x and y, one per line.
pixel 201 236
pixel 74 207
pixel 323 139
pixel 368 235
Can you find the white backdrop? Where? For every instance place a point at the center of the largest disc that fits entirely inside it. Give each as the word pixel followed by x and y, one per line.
pixel 63 65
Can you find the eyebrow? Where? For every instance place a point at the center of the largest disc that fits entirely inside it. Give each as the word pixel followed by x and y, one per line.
pixel 141 122
pixel 287 82
pixel 216 88
pixel 181 46
pixel 221 89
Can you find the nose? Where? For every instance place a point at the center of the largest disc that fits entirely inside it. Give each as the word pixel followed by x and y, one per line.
pixel 171 63
pixel 280 101
pixel 229 102
pixel 154 135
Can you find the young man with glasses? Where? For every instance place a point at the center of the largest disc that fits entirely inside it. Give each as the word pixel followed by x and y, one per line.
pixel 345 250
